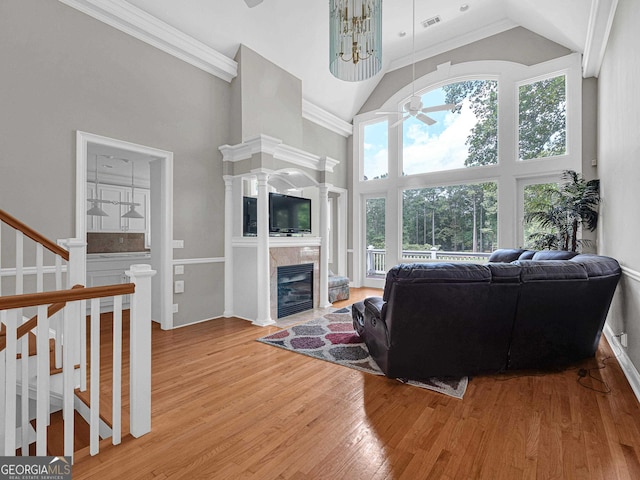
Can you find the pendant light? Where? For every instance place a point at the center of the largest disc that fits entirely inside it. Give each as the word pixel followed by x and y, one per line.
pixel 132 213
pixel 95 210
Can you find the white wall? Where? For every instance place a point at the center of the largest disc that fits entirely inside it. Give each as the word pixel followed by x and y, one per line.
pixel 619 168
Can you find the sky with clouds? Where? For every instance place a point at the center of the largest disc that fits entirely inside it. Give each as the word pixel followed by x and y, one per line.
pixel 438 147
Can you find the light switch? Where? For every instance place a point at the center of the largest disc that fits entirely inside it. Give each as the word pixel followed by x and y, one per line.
pixel 179 269
pixel 179 286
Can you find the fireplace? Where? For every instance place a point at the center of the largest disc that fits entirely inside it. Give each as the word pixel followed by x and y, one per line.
pixel 295 289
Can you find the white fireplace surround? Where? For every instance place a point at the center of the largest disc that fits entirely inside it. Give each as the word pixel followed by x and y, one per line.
pixel 250 261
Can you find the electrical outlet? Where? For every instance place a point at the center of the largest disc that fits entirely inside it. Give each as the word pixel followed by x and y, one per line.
pixel 179 286
pixel 178 244
pixel 624 340
pixel 175 308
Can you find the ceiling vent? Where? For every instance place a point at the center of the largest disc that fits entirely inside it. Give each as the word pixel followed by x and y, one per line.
pixel 430 22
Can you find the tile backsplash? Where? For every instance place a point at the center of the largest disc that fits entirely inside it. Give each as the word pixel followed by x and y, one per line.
pixel 117 242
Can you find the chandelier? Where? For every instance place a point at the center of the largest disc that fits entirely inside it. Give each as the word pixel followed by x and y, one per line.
pixel 355 37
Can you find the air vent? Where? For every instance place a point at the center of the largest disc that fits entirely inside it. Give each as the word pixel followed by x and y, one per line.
pixel 430 22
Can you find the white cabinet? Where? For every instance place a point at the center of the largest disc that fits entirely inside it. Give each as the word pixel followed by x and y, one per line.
pixel 113 222
pixel 108 269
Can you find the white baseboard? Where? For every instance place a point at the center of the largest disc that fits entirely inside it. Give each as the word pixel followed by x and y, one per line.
pixel 628 368
pixel 195 322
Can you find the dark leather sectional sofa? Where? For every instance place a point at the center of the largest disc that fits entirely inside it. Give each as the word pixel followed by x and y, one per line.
pixel 522 310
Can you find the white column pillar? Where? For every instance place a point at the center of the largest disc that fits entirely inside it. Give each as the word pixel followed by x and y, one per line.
pixel 263 273
pixel 324 246
pixel 140 350
pixel 228 247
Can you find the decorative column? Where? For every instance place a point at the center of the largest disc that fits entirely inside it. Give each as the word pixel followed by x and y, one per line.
pixel 263 273
pixel 228 247
pixel 324 245
pixel 140 350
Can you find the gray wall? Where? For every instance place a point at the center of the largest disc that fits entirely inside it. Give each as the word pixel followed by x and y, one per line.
pixel 270 99
pixel 515 45
pixel 63 71
pixel 619 167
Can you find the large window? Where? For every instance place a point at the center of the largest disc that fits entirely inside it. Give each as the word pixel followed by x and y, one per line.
pixel 375 237
pixel 537 198
pixel 376 151
pixel 466 136
pixel 457 189
pixel 543 118
pixel 454 218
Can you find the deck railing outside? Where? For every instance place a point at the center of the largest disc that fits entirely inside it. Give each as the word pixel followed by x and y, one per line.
pixel 376 258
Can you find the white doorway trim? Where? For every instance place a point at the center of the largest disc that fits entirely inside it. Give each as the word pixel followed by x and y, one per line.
pixel 161 215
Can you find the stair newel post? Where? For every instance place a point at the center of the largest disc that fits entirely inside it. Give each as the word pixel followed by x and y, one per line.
pixel 140 350
pixel 77 275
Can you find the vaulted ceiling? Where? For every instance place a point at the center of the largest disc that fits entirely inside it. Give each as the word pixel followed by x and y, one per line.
pixel 294 34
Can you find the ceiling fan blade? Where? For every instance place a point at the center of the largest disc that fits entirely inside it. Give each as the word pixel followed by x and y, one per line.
pixel 438 108
pixel 253 3
pixel 402 119
pixel 425 119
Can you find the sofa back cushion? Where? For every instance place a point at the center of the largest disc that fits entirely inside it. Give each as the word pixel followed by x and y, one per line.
pixel 435 272
pixel 553 255
pixel 506 255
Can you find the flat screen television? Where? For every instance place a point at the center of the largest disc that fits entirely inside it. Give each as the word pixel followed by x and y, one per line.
pixel 249 216
pixel 289 214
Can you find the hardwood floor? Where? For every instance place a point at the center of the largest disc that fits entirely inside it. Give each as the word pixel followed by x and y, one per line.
pixel 228 407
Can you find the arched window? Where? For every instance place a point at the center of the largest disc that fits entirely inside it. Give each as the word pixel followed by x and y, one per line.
pixel 458 188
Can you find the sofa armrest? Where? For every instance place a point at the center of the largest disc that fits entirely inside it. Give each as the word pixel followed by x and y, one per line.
pixel 374 306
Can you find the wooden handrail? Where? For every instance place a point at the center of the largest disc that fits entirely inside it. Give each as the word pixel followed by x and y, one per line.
pixel 58 296
pixel 30 324
pixel 33 235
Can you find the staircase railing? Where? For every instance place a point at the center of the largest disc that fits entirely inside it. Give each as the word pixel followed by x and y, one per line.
pixel 28 378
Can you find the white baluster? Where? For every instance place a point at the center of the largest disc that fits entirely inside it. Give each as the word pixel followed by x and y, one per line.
pixel 94 424
pixel 10 319
pixel 140 350
pixel 57 319
pixel 72 314
pixel 24 391
pixel 19 262
pixel 42 385
pixel 39 267
pixel 116 426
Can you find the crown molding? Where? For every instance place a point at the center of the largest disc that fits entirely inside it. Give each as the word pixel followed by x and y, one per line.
pixel 317 115
pixel 275 147
pixel 600 22
pixel 460 41
pixel 139 24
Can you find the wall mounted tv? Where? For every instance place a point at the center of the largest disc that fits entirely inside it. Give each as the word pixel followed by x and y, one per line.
pixel 289 214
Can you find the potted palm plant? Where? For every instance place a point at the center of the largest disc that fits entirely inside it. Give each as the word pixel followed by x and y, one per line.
pixel 561 209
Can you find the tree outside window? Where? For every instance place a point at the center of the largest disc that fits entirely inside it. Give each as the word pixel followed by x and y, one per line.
pixel 460 218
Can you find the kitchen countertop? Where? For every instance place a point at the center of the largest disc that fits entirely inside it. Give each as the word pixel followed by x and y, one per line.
pixel 119 255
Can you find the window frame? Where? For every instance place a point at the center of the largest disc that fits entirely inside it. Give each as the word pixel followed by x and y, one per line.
pixel 508 173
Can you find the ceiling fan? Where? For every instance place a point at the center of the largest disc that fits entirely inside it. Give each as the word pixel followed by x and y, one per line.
pixel 253 3
pixel 414 107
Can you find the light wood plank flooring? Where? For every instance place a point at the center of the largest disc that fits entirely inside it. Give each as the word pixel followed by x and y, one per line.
pixel 228 407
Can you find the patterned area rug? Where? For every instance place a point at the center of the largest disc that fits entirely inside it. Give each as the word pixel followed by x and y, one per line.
pixel 332 338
